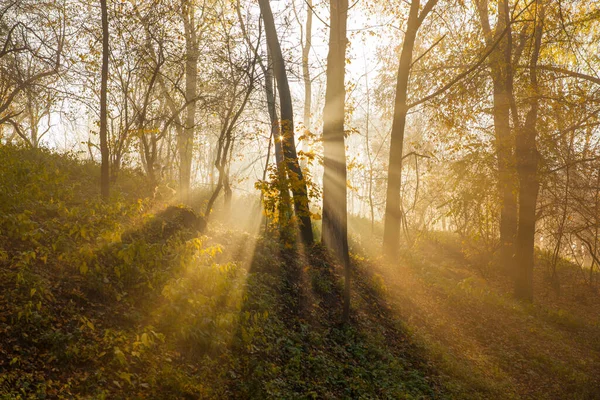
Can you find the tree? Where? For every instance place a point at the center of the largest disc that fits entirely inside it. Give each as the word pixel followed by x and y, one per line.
pixel 393 211
pixel 527 166
pixel 38 107
pixel 500 64
pixel 267 69
pixel 335 216
pixel 306 44
pixel 192 54
pixel 104 173
pixel 306 47
pixel 294 173
pixel 241 79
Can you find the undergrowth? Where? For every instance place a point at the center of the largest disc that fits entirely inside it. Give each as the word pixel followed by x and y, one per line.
pixel 126 299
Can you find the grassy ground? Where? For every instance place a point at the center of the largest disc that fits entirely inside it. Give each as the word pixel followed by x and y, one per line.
pixel 125 299
pixel 487 345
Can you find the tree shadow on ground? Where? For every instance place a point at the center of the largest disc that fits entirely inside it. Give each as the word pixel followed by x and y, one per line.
pixel 301 349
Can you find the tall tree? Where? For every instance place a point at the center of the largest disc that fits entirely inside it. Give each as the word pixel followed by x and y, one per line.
pixel 393 211
pixel 104 173
pixel 306 44
pixel 335 217
pixel 527 165
pixel 500 66
pixel 295 176
pixel 192 54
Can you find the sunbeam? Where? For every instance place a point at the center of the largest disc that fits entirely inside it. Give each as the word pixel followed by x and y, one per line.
pixel 292 199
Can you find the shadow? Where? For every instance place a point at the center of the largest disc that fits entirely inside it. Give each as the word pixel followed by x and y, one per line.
pixel 301 350
pixel 262 318
pixel 125 273
pixel 167 223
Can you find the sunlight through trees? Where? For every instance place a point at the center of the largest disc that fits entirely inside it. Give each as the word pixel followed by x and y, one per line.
pixel 299 199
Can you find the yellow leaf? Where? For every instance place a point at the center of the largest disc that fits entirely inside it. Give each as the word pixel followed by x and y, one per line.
pixel 125 376
pixel 120 356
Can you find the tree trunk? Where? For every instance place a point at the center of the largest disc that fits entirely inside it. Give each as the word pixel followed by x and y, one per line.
pixel 393 216
pixel 227 196
pixel 305 68
pixel 369 155
pixel 506 175
pixel 335 216
pixel 104 173
pixel 186 141
pixel 501 72
pixel 298 186
pixel 306 73
pixel 527 162
pixel 284 207
pixel 274 118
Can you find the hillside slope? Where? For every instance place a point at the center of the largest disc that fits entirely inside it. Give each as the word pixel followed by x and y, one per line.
pixel 124 300
pixel 483 343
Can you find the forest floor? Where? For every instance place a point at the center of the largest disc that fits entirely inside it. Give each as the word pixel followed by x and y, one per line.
pixel 125 300
pixel 482 342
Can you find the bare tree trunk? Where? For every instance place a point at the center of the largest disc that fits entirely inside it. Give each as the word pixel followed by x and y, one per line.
pixel 306 73
pixel 527 162
pixel 104 173
pixel 369 156
pixel 393 215
pixel 270 93
pixel 149 148
pixel 227 195
pixel 335 216
pixel 186 141
pixel 298 186
pixel 305 66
